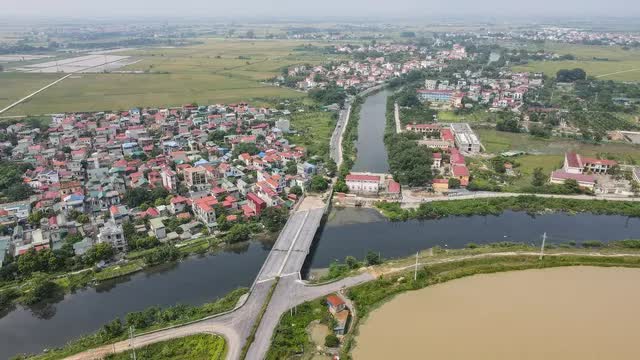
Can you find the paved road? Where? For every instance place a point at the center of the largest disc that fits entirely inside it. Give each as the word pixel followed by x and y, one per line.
pixel 335 146
pixel 396 114
pixel 290 292
pixel 410 199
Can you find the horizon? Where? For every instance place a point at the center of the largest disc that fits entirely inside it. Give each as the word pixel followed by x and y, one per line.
pixel 288 9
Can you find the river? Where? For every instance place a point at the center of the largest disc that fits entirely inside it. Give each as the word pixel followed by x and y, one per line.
pixel 348 231
pixel 371 152
pixel 563 313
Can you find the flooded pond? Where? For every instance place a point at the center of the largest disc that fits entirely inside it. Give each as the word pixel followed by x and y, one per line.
pixel 560 313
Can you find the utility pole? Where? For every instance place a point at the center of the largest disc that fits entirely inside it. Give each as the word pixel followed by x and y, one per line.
pixel 544 239
pixel 131 342
pixel 415 273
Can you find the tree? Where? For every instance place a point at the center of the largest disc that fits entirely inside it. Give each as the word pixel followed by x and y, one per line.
pixel 539 177
pixel 292 168
pixel 274 218
pixel 99 252
pixel 242 148
pixel 341 186
pixel 331 167
pixel 572 186
pixel 574 75
pixel 43 288
pixel 372 258
pixel 296 190
pixel 318 183
pixel 454 183
pixel 635 188
pixel 112 329
pixel 508 125
pixel 237 233
pixel 352 262
pixel 217 136
pixel 331 341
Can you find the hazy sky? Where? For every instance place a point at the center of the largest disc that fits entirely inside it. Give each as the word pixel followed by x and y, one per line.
pixel 328 8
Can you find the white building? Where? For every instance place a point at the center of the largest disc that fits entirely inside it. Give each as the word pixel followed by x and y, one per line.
pixel 284 125
pixel 113 234
pixel 363 183
pixel 465 138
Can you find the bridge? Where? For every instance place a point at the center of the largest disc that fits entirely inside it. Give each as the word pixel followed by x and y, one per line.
pixel 283 265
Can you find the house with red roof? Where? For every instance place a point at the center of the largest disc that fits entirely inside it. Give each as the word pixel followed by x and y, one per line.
pixel 204 211
pixel 461 172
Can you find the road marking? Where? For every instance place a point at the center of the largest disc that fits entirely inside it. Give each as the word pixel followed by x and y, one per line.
pixel 34 94
pixel 265 280
pixel 293 243
pixel 289 274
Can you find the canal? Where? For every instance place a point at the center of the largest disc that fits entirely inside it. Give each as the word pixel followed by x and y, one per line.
pixel 349 231
pixel 371 152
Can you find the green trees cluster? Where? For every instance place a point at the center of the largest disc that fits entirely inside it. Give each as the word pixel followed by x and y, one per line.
pixel 495 206
pixel 508 125
pixel 565 75
pixel 11 186
pixel 43 288
pixel 409 163
pixel 332 94
pixel 319 183
pixel 237 233
pixel 162 254
pixel 273 218
pixel 141 195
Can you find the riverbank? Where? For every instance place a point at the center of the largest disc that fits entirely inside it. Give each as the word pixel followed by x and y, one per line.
pixel 144 321
pixel 15 292
pixel 556 306
pixel 497 205
pixel 437 266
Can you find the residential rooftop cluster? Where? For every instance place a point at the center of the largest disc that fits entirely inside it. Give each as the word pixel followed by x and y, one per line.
pixel 506 92
pixel 89 173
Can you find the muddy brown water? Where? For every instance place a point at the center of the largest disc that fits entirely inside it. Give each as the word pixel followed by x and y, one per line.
pixel 560 313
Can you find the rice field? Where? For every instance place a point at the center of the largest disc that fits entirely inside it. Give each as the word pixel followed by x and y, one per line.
pixel 218 70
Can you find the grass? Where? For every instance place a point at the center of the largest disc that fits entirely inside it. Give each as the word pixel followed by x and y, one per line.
pixel 290 336
pixel 622 65
pixel 498 141
pixel 476 116
pixel 120 270
pixel 197 347
pixel 97 92
pixel 314 131
pixel 14 86
pixel 216 71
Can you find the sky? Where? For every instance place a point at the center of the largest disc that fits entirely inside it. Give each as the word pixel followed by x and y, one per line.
pixel 322 8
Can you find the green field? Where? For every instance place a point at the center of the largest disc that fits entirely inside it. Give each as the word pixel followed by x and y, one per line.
pixel 621 65
pixel 313 131
pixel 498 141
pixel 198 347
pixel 216 71
pixel 96 92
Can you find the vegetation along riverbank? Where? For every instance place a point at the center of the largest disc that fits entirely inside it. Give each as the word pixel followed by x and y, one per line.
pixel 497 205
pixel 194 347
pixel 143 321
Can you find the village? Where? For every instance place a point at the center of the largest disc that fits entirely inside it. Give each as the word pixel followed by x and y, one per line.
pixel 170 174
